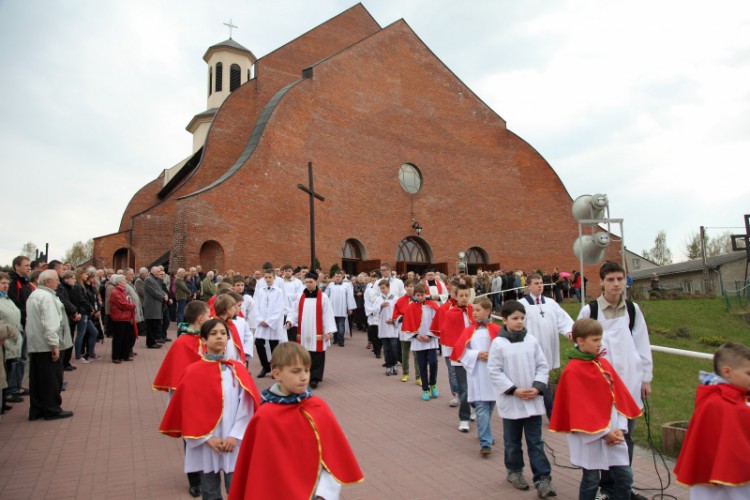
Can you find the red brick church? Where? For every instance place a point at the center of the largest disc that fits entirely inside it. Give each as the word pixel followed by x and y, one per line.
pixel 413 166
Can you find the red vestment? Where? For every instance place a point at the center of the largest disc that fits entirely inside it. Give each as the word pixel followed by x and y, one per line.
pixel 465 337
pixel 449 322
pixel 585 395
pixel 198 403
pixel 413 315
pixel 285 447
pixel 401 305
pixel 185 351
pixel 319 335
pixel 716 449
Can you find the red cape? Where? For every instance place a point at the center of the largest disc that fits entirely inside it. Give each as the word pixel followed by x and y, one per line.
pixel 584 397
pixel 400 308
pixel 449 322
pixel 465 337
pixel 717 443
pixel 198 403
pixel 185 351
pixel 235 338
pixel 284 448
pixel 413 315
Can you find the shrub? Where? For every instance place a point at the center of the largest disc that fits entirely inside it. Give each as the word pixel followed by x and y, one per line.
pixel 714 341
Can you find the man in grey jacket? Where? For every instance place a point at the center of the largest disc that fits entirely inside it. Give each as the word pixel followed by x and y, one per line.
pixel 154 299
pixel 48 334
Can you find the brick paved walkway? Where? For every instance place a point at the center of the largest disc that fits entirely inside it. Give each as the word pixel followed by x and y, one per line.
pixel 407 448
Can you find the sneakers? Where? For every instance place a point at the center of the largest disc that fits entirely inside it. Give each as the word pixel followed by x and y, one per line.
pixel 473 414
pixel 426 395
pixel 83 361
pixel 388 372
pixel 433 391
pixel 394 371
pixel 544 488
pixel 517 480
pixel 485 451
pixel 455 401
pixel 463 426
pixel 419 382
pixel 405 378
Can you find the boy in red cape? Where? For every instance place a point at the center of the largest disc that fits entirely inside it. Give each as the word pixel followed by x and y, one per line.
pixel 417 320
pixel 471 349
pixel 592 404
pixel 186 350
pixel 715 456
pixel 293 447
pixel 402 304
pixel 211 409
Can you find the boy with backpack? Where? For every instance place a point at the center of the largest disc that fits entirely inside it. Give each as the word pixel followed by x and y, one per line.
pixel 625 341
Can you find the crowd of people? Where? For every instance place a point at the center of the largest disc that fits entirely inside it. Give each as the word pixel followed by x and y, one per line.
pixel 53 317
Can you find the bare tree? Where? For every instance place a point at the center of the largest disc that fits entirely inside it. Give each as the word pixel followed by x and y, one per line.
pixel 29 250
pixel 660 253
pixel 719 245
pixel 80 252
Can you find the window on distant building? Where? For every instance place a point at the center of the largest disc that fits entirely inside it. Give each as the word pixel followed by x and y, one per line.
pixel 210 80
pixel 234 77
pixel 219 71
pixel 636 263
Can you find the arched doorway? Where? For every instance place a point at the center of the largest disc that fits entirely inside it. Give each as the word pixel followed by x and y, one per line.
pixel 476 258
pixel 212 256
pixel 413 254
pixel 352 254
pixel 120 259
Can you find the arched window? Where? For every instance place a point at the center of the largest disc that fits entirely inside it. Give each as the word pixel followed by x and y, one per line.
pixel 210 80
pixel 476 255
pixel 219 72
pixel 212 255
pixel 414 250
pixel 352 250
pixel 248 75
pixel 235 76
pixel 120 259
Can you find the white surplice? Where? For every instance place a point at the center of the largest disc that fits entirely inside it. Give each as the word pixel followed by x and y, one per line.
pixel 269 308
pixel 238 409
pixel 309 321
pixel 342 298
pixel 428 314
pixel 478 377
pixel 546 321
pixel 384 313
pixel 518 364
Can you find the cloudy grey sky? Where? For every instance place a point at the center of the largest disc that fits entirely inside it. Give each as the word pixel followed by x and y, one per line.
pixel 646 101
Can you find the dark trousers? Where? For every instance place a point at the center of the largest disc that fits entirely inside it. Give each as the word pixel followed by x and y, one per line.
pixel 548 398
pixel 464 408
pixel 122 334
pixel 622 483
pixel 427 359
pixel 390 348
pixel 340 330
pixel 317 365
pixel 607 481
pixel 165 322
pixel 260 347
pixel 372 338
pixel 45 384
pixel 292 334
pixel 153 331
pixel 513 431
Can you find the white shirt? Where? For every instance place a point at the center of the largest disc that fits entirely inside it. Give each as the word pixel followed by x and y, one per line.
pixel 428 314
pixel 591 452
pixel 478 376
pixel 269 308
pixel 546 321
pixel 518 364
pixel 238 408
pixel 292 289
pixel 342 298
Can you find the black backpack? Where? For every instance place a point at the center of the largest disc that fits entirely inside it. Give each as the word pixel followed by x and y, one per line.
pixel 594 306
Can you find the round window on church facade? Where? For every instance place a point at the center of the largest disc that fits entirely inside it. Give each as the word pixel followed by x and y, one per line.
pixel 410 178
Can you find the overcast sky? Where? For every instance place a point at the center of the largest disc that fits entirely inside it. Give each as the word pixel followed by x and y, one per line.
pixel 648 102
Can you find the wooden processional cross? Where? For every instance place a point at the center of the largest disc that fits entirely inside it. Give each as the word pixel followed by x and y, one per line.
pixel 312 194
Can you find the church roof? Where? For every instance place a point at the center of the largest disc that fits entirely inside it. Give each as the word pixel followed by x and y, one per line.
pixel 228 44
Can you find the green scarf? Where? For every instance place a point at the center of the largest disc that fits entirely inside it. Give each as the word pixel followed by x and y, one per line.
pixel 574 353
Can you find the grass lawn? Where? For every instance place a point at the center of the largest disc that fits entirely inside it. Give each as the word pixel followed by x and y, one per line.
pixel 680 324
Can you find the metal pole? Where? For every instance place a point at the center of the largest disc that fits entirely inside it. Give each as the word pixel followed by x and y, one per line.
pixel 583 286
pixel 703 254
